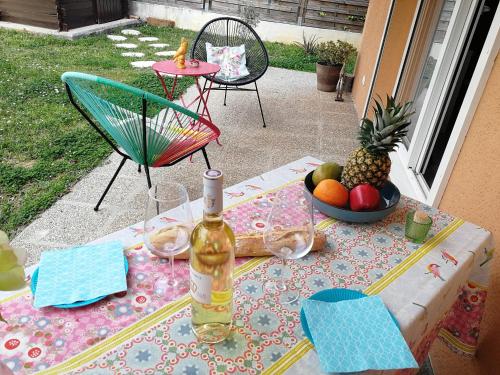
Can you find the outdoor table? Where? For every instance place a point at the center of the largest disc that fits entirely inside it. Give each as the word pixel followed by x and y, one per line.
pixel 204 69
pixel 143 331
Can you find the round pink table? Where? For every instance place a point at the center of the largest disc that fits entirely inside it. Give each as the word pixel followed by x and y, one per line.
pixel 204 69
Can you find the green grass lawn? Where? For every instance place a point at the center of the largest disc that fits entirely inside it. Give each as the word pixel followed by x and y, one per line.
pixel 45 146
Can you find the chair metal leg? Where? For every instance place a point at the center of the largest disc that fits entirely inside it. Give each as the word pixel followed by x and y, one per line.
pixel 96 208
pixel 225 95
pixel 260 105
pixel 206 157
pixel 148 178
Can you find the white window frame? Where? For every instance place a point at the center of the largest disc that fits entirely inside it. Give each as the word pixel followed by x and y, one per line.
pixel 410 183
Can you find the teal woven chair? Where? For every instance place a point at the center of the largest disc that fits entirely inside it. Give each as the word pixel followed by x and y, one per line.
pixel 143 127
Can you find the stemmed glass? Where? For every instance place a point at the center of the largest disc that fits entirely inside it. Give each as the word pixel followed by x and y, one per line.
pixel 167 227
pixel 289 234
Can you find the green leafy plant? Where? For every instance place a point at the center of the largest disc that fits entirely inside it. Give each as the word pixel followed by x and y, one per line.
pixel 334 53
pixel 350 63
pixel 356 18
pixel 308 44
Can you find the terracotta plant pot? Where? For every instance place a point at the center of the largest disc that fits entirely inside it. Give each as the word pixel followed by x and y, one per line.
pixel 327 77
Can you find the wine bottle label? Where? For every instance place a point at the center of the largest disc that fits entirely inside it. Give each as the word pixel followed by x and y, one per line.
pixel 201 286
pixel 212 191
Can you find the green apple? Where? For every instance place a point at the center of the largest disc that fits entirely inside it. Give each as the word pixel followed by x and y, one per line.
pixel 12 279
pixel 326 171
pixel 3 237
pixel 7 258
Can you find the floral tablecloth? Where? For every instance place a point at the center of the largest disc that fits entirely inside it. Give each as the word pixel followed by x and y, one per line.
pixel 437 289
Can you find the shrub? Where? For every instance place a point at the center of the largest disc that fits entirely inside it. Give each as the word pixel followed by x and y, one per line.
pixel 334 53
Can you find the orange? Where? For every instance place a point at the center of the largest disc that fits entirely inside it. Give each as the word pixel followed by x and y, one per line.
pixel 332 192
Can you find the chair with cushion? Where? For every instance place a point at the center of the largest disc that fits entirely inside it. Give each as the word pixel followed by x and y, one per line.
pixel 138 125
pixel 233 32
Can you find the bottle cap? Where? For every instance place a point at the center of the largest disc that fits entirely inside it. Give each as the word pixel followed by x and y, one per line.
pixel 212 191
pixel 213 174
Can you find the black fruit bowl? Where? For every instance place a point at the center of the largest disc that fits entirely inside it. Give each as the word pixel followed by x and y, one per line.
pixel 389 198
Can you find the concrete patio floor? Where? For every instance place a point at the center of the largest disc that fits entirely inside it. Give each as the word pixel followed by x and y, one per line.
pixel 300 121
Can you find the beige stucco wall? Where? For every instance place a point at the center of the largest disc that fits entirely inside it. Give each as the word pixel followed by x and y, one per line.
pixel 394 49
pixel 473 193
pixel 372 33
pixel 397 36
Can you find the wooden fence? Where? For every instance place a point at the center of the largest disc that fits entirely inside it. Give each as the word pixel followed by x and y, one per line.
pixel 62 14
pixel 32 12
pixel 346 15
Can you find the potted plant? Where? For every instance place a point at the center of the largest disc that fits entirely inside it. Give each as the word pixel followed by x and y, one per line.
pixel 331 57
pixel 349 71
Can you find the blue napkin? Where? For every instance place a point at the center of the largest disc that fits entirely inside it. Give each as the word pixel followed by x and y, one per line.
pixel 80 273
pixel 356 335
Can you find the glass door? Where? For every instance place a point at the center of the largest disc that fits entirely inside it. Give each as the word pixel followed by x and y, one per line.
pixel 439 38
pixel 431 157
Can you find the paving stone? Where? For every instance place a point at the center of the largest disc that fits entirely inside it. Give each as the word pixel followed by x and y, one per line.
pixel 165 53
pixel 142 64
pixel 133 54
pixel 118 38
pixel 126 45
pixel 148 39
pixel 159 45
pixel 131 32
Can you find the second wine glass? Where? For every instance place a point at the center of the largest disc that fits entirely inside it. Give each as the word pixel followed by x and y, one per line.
pixel 289 235
pixel 167 227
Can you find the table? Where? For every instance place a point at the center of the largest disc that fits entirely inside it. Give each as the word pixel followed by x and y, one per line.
pixel 144 332
pixel 204 69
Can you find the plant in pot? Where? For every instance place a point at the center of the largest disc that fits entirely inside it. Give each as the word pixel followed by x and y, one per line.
pixel 349 66
pixel 331 57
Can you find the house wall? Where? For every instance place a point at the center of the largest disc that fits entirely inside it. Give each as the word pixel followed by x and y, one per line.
pixel 193 19
pixel 392 54
pixel 373 30
pixel 473 193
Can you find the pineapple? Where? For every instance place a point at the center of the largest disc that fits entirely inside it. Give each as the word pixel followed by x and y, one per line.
pixel 370 163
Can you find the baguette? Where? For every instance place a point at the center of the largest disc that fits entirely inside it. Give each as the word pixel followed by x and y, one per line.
pixel 252 245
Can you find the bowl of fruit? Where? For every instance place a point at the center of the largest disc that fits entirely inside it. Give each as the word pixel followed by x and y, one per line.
pixel 360 192
pixel 364 203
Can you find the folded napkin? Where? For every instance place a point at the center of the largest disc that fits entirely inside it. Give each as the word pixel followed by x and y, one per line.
pixel 79 274
pixel 356 335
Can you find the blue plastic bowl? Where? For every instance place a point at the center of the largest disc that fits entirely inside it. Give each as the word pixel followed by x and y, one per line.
pixel 333 295
pixel 34 281
pixel 389 195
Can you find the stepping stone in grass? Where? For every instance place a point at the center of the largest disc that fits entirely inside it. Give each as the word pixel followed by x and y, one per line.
pixel 131 32
pixel 159 45
pixel 133 54
pixel 126 45
pixel 120 38
pixel 165 53
pixel 148 39
pixel 142 64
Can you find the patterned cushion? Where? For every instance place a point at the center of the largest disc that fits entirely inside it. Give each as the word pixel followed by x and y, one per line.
pixel 232 61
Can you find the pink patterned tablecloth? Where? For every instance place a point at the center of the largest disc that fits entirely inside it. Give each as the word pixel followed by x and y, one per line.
pixel 145 331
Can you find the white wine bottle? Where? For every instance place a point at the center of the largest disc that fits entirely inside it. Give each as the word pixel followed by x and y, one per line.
pixel 211 266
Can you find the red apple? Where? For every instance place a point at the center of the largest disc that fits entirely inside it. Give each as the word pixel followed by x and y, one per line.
pixel 364 197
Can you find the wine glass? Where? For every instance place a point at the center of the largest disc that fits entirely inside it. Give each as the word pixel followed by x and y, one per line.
pixel 167 227
pixel 289 234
